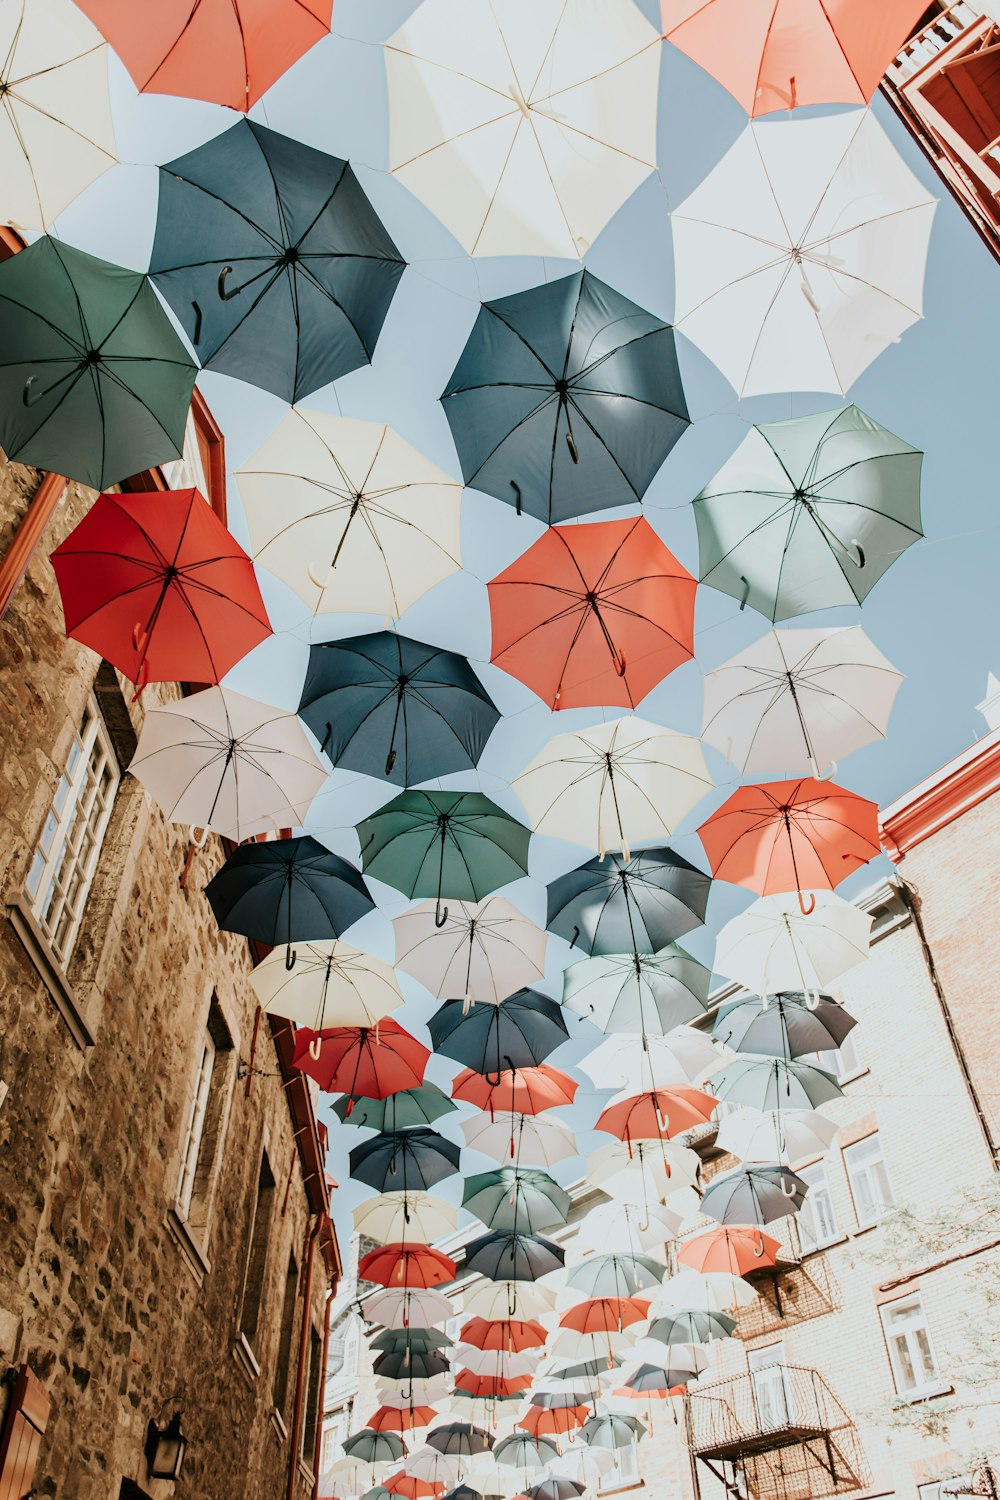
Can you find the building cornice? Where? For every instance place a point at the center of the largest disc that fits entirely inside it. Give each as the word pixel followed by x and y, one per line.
pixel 942 798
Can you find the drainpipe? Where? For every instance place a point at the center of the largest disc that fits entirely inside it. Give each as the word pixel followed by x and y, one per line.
pixel 312 1236
pixel 318 1449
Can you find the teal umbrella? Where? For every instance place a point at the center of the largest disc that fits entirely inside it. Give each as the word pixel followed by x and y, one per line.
pixel 398 1340
pixel 94 382
pixel 370 1447
pixel 809 514
pixel 516 1198
pixel 402 1111
pixel 691 1325
pixel 615 1275
pixel 444 844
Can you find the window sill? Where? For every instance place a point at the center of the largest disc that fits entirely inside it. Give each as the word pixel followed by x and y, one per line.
pixel 853 1077
pixel 246 1359
pixel 278 1423
pixel 864 1229
pixel 36 946
pixel 621 1489
pixel 191 1252
pixel 927 1393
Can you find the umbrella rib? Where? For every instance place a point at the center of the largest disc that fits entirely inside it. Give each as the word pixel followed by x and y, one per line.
pixel 276 245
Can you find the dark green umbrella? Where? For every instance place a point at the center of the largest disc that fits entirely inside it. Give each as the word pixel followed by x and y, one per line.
pixel 782 1025
pixel 460 1440
pixel 637 905
pixel 441 844
pixel 374 1447
pixel 94 382
pixel 402 1111
pixel 394 1340
pixel 406 1161
pixel 508 1255
pixel 520 1032
pixel 516 1198
pixel 691 1325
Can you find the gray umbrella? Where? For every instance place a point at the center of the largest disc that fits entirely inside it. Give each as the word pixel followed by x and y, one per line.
pixel 460 1440
pixel 754 1195
pixel 784 1025
pixel 691 1325
pixel 773 1083
pixel 611 1431
pixel 370 1447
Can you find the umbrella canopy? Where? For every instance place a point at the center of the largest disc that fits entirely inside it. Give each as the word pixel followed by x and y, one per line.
pixel 410 1362
pixel 490 1387
pixel 496 1361
pixel 56 131
pixel 393 1340
pixel 444 844
pixel 634 1060
pixel 513 1334
pixel 398 1216
pixel 801 256
pixel 756 1194
pixel 611 1431
pixel 805 515
pixel 782 1135
pixel 540 1421
pixel 791 835
pixel 217 760
pixel 94 382
pixel 552 127
pixel 774 946
pixel 787 1025
pixel 399 1111
pixel 347 1476
pixel 656 1114
pixel 587 1466
pixel 399 1307
pixel 432 1466
pixel 794 52
pixel 370 1447
pixel 278 268
pixel 520 1138
pixel 386 700
pixel 418 1489
pixel 566 399
pixel 522 1451
pixel 466 1492
pixel 713 1291
pixel 629 1227
pixel 511 1255
pixel 406 1161
pixel 638 905
pixel 526 1091
pixel 615 1275
pixel 799 700
pixel 594 614
pixel 773 1083
pixel 362 1061
pixel 516 1198
pixel 605 1314
pixel 520 1032
pixel 642 1172
pixel 225 51
pixel 350 516
pixel 287 891
pixel 156 585
pixel 683 1366
pixel 483 951
pixel 649 993
pixel 460 1439
pixel 733 1249
pixel 556 1488
pixel 491 1300
pixel 611 785
pixel 332 984
pixel 691 1325
pixel 401 1418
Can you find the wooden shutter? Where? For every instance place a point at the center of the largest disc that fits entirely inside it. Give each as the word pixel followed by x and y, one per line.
pixel 22 1436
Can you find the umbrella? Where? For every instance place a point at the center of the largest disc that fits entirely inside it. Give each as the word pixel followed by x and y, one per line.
pixel 757 1194
pixel 418 1489
pixel 370 1447
pixel 490 1387
pixel 526 1091
pixel 783 1135
pixel 396 1340
pixel 556 1488
pixel 512 1334
pixel 799 700
pixel 498 1362
pixel 399 1307
pixel 367 1061
pixel 386 699
pixel 520 1032
pixel 611 1431
pixel 397 1216
pixel 425 1391
pixel 511 1255
pixel 595 1370
pixel 801 255
pixel 640 904
pixel 276 265
pixel 217 760
pixel 491 1299
pixel 401 1418
pixel 332 984
pixel 541 1421
pixel 516 1197
pixel 583 1464
pixel 56 132
pixel 712 1291
pixel 94 382
pixel 550 122
pixel 805 515
pixel 795 52
pixel 683 1366
pixel 566 399
pixel 226 51
pixel 520 1138
pixel 409 1362
pixel 287 891
pixel 522 1451
pixel 790 835
pixel 787 1025
pixel 483 951
pixel 733 1249
pixel 404 1161
pixel 616 1275
pixel 349 1475
pixel 691 1325
pixel 656 1114
pixel 636 1059
pixel 432 1466
pixel 614 783
pixel 628 1227
pixel 643 1172
pixel 649 993
pixel 155 583
pixel 460 1439
pixel 774 946
pixel 465 1492
pixel 408 1265
pixel 594 614
pixel 400 1111
pixel 773 1083
pixel 456 844
pixel 349 516
pixel 605 1314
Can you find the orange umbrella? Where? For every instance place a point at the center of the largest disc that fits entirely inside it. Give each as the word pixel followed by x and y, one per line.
pixel 521 1091
pixel 401 1419
pixel 552 1421
pixel 656 1114
pixel 491 1385
pixel 411 1488
pixel 776 54
pixel 605 1314
pixel 730 1248
pixel 225 51
pixel 791 836
pixel 593 615
pixel 510 1334
pixel 406 1265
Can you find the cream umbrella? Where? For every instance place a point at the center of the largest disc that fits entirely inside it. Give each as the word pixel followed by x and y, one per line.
pixel 332 984
pixel 570 1344
pixel 773 947
pixel 400 1394
pixel 530 1140
pixel 432 1467
pixel 587 1466
pixel 394 1217
pixel 714 1291
pixel 638 1063
pixel 613 784
pixel 483 950
pixel 349 1476
pixel 628 1227
pixel 643 1172
pixel 493 1300
pixel 801 256
pixel 494 1362
pixel 407 1307
pixel 349 515
pixel 780 1135
pixel 523 126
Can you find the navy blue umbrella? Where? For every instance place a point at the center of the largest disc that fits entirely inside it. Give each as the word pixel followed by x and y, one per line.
pixel 404 1161
pixel 278 268
pixel 509 1256
pixel 520 1032
pixel 637 905
pixel 566 400
pixel 385 700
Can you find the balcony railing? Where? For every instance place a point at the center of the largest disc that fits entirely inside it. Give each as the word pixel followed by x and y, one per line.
pixel 769 1408
pixel 925 45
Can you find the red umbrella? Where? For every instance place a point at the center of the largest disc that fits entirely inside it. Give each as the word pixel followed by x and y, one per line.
pixel 156 584
pixel 406 1265
pixel 401 1419
pixel 412 1489
pixel 791 836
pixel 657 1114
pixel 368 1062
pixel 521 1091
pixel 510 1334
pixel 605 1314
pixel 552 1421
pixel 730 1248
pixel 594 614
pixel 225 51
pixel 492 1385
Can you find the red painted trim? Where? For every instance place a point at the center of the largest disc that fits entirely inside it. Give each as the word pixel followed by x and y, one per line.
pixel 944 797
pixel 318 1448
pixel 41 508
pixel 300 1379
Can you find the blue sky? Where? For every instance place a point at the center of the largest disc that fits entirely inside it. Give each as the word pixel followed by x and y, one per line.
pixel 934 614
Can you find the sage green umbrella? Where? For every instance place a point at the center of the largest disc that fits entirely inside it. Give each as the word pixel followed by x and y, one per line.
pixel 94 382
pixel 402 1111
pixel 440 844
pixel 516 1198
pixel 809 514
pixel 773 1083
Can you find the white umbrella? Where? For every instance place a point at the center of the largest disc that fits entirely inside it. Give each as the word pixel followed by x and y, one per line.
pixel 586 1465
pixel 643 1172
pixel 56 133
pixel 349 515
pixel 407 1307
pixel 797 701
pixel 715 1291
pixel 523 126
pixel 332 984
pixel 494 1362
pixel 493 1300
pixel 628 1227
pixel 399 1394
pixel 625 1061
pixel 613 784
pixel 393 1217
pixel 801 256
pixel 220 761
pixel 576 1345
pixel 483 951
pixel 643 993
pixel 781 1135
pixel 530 1140
pixel 773 946
pixel 349 1476
pixel 432 1467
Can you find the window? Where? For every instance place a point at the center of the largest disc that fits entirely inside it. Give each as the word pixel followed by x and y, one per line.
pixel 331 1442
pixel 285 1338
pixel 205 1126
pixel 253 1284
pixel 843 1061
pixel 869 1179
pixel 770 1391
pixel 314 1389
pixel 816 1219
pixel 65 858
pixel 930 1491
pixel 911 1355
pixel 624 1471
pixel 196 1125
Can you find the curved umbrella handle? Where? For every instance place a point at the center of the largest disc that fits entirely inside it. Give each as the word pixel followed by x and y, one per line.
pixel 490 1081
pixel 140 636
pixel 390 761
pixel 787 1188
pixel 746 592
pixel 314 578
pixel 194 831
pixel 830 774
pixel 620 664
pixel 227 296
pixel 861 559
pixel 517 496
pixel 326 738
pixel 440 915
pixel 28 396
pixel 807 911
pixel 574 451
pixel 316 1048
pixel 290 957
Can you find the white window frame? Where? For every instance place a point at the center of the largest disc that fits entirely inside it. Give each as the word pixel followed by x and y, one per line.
pixel 843 1062
pixel 817 1178
pixel 195 1132
pixel 908 1333
pixel 624 1474
pixel 64 860
pixel 766 1365
pixel 869 1204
